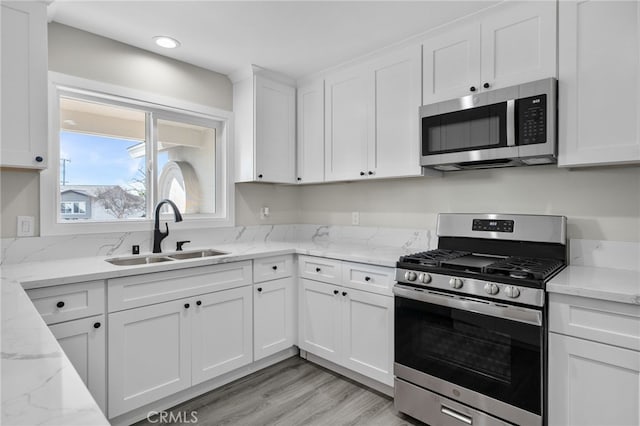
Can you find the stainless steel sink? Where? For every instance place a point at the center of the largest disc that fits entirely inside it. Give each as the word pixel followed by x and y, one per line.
pixel 196 254
pixel 155 258
pixel 137 260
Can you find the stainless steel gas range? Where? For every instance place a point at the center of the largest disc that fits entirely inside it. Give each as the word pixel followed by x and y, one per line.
pixel 470 320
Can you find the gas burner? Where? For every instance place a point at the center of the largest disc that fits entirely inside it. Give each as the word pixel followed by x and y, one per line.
pixel 525 267
pixel 433 257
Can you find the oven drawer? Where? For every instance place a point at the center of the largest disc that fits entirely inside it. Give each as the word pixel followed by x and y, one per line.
pixel 434 409
pixel 376 279
pixel 602 321
pixel 320 269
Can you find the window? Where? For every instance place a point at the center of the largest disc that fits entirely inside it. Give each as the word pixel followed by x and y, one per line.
pixel 118 156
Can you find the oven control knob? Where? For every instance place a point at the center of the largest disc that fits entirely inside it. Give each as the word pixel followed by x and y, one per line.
pixel 455 283
pixel 410 276
pixel 512 292
pixel 491 288
pixel 424 278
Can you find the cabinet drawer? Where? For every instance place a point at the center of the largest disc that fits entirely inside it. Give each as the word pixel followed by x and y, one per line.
pixel 598 320
pixel 377 279
pixel 69 301
pixel 141 290
pixel 320 269
pixel 272 268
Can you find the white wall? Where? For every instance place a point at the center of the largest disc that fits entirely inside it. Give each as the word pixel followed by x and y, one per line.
pixel 601 204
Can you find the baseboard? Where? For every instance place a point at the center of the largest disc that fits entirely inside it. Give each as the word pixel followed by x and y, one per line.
pixel 367 381
pixel 187 394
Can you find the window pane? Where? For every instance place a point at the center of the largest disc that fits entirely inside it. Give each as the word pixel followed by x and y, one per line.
pixel 102 161
pixel 186 166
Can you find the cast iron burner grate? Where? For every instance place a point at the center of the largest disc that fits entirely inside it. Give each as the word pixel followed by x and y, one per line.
pixel 433 257
pixel 525 267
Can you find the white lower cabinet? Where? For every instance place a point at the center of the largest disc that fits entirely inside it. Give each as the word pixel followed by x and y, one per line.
pixel 158 350
pixel 592 384
pixel 84 342
pixel 274 317
pixel 594 362
pixel 348 327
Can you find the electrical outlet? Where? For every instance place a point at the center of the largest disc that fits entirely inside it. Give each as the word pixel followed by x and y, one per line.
pixel 355 218
pixel 25 226
pixel 264 212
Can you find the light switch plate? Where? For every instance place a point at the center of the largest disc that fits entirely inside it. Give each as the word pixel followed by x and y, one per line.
pixel 25 226
pixel 355 218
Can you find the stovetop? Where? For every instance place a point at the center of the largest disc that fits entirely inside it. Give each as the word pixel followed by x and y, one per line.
pixel 528 271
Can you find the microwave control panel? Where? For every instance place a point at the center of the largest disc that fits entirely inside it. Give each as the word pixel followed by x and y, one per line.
pixel 532 120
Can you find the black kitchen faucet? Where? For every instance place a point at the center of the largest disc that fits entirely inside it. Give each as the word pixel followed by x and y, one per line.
pixel 158 235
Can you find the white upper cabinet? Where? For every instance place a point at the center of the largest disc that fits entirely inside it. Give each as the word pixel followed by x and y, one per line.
pixel 598 89
pixel 510 44
pixel 311 133
pixel 264 129
pixel 348 111
pixel 396 151
pixel 24 85
pixel 371 118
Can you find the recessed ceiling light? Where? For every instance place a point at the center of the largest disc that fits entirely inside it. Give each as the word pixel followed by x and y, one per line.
pixel 166 42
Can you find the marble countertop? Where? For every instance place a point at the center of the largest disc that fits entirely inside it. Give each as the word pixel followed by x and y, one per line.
pixel 39 384
pixel 617 285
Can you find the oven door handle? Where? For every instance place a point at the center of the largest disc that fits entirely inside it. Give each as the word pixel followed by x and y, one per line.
pixel 513 313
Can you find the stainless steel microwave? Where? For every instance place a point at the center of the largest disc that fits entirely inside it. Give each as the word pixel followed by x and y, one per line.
pixel 512 126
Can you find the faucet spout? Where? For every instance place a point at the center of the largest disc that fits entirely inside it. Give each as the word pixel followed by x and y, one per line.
pixel 158 235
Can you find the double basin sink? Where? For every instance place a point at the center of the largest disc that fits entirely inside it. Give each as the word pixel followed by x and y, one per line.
pixel 156 258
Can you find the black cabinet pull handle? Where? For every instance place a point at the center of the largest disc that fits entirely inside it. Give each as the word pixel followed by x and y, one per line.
pixel 299 179
pixel 335 292
pixel 186 305
pixel 60 304
pixel 344 293
pixel 259 176
pixel 96 325
pixel 472 88
pixel 199 302
pixel 486 85
pixel 39 159
pixel 370 172
pixel 318 269
pixel 367 278
pixel 259 289
pixel 274 267
pixel 361 173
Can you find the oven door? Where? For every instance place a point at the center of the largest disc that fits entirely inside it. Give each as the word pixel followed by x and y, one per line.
pixel 487 355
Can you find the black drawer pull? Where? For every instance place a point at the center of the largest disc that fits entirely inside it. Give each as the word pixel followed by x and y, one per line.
pixel 186 305
pixel 344 293
pixel 318 269
pixel 39 159
pixel 274 267
pixel 336 292
pixel 96 325
pixel 367 278
pixel 60 304
pixel 199 302
pixel 259 289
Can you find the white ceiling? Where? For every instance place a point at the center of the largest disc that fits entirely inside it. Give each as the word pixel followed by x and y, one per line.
pixel 295 38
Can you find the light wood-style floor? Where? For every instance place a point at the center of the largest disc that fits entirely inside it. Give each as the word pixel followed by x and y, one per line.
pixel 291 393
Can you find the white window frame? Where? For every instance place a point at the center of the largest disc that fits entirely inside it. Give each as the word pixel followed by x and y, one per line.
pixel 165 108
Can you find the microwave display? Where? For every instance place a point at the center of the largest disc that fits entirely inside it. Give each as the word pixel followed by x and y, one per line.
pixel 532 123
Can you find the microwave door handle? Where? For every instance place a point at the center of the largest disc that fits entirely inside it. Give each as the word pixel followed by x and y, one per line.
pixel 511 120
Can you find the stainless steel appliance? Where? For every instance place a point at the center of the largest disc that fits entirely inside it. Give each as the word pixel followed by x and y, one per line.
pixel 513 126
pixel 470 320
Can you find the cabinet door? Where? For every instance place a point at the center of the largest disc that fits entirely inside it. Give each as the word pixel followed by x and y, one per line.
pixel 451 64
pixel 519 44
pixel 592 384
pixel 368 334
pixel 598 89
pixel 320 319
pixel 222 333
pixel 311 133
pixel 275 142
pixel 24 85
pixel 149 354
pixel 347 124
pixel 83 341
pixel 274 317
pixel 397 79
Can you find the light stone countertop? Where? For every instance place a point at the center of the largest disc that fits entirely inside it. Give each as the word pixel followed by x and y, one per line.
pixel 39 384
pixel 617 285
